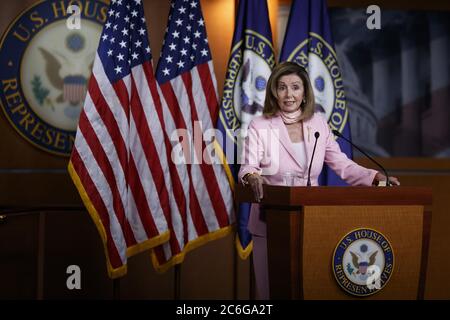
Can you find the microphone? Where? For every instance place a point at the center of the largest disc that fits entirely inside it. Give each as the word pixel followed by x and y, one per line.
pixel 316 135
pixel 337 133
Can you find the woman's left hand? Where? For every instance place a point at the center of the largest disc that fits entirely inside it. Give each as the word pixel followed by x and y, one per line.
pixel 381 177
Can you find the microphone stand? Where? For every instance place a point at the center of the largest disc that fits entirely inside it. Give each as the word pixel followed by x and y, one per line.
pixel 337 133
pixel 316 135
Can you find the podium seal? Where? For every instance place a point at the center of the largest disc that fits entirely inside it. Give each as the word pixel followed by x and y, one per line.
pixel 363 262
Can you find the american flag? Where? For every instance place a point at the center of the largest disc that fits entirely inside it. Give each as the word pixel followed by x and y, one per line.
pixel 119 161
pixel 188 91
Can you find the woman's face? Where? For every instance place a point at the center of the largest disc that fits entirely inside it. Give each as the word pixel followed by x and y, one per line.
pixel 290 92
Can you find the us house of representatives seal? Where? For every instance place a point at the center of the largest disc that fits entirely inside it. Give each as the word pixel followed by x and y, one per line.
pixel 45 69
pixel 363 262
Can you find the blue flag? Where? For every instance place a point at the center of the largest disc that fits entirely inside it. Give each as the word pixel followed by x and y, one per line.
pixel 308 42
pixel 249 66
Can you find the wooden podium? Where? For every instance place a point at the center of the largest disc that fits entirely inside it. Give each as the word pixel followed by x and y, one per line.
pixel 306 224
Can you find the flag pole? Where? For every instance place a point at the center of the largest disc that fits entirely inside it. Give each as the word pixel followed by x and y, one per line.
pixel 235 253
pixel 236 212
pixel 116 289
pixel 251 282
pixel 177 282
pixel 235 275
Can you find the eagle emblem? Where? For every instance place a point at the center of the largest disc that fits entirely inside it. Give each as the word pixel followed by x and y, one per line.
pixel 363 262
pixel 250 90
pixel 67 77
pixel 252 100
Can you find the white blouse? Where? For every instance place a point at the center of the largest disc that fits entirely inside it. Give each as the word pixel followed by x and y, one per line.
pixel 300 152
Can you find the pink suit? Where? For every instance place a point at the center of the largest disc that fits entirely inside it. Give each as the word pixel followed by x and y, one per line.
pixel 268 150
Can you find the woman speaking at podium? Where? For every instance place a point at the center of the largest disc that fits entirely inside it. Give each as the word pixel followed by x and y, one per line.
pixel 278 148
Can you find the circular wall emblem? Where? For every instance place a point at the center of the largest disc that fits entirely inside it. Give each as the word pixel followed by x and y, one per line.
pixel 46 64
pixel 363 262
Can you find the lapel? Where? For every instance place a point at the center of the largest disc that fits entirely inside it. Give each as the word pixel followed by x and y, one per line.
pixel 283 136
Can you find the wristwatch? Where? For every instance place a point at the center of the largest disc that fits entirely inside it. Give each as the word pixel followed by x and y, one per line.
pixel 245 177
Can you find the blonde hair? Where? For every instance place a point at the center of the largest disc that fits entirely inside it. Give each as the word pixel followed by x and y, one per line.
pixel 271 106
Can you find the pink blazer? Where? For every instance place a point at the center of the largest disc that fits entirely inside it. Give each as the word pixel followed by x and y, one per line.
pixel 268 150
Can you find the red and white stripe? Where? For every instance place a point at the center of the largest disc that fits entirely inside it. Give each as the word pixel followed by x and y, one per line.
pixel 203 192
pixel 121 160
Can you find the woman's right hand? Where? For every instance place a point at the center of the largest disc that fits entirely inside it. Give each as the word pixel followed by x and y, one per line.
pixel 255 181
